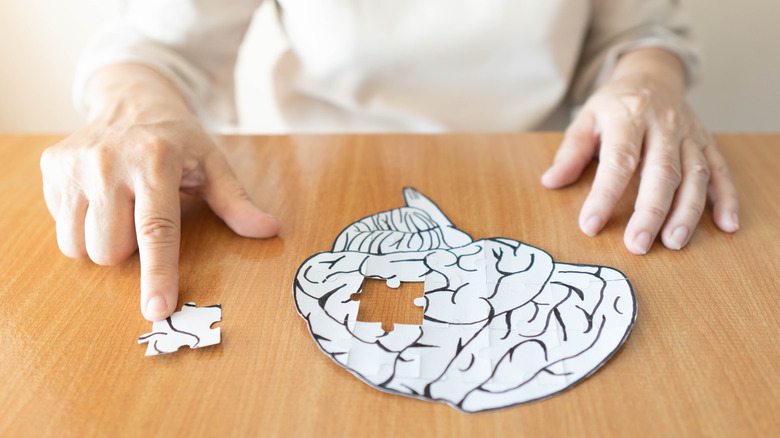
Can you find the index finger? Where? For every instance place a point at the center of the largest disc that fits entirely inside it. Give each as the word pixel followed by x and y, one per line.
pixel 621 144
pixel 158 230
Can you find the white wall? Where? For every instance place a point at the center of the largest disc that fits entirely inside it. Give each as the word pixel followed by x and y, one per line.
pixel 739 89
pixel 40 40
pixel 39 43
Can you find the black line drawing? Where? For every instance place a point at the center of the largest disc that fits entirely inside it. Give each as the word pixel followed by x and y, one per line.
pixel 191 326
pixel 503 324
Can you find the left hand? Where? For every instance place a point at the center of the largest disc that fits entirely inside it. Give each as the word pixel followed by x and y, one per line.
pixel 640 116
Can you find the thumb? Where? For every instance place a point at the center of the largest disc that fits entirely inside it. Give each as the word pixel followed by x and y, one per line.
pixel 228 199
pixel 576 151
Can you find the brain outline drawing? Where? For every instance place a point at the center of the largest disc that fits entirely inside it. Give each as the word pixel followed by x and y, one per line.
pixel 503 324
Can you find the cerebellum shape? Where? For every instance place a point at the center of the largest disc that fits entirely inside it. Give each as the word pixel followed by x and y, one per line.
pixel 503 323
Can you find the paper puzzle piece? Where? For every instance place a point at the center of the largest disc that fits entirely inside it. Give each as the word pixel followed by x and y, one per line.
pixel 191 326
pixel 503 323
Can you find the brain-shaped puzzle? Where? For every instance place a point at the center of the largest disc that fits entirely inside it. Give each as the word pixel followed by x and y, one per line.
pixel 503 324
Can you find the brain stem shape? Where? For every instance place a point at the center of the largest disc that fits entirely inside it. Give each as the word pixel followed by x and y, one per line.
pixel 503 324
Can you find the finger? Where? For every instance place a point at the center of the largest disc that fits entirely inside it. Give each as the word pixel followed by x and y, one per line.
pixel 70 223
pixel 621 145
pixel 110 229
pixel 661 176
pixel 51 192
pixel 722 191
pixel 158 229
pixel 576 152
pixel 690 198
pixel 51 195
pixel 228 199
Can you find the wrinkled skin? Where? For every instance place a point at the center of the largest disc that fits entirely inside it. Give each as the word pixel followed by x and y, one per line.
pixel 639 121
pixel 114 185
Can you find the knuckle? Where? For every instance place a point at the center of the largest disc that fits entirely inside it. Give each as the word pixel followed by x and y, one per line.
pixel 102 152
pixel 622 159
pixel 107 258
pixel 695 209
pixel 55 165
pixel 619 171
pixel 159 155
pixel 161 148
pixel 50 190
pixel 655 211
pixel 239 194
pixel 158 229
pixel 671 117
pixel 111 247
pixel 698 171
pixel 635 102
pixel 668 139
pixel 70 248
pixel 707 138
pixel 46 159
pixel 609 195
pixel 720 168
pixel 722 172
pixel 160 270
pixel 694 144
pixel 666 171
pixel 104 164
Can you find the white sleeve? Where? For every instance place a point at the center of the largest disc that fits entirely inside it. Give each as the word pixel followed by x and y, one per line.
pixel 194 43
pixel 619 26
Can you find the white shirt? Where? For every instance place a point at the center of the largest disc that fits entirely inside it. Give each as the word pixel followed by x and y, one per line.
pixel 401 65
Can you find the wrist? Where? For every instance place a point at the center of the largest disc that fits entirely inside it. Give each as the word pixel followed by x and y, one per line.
pixel 131 94
pixel 651 66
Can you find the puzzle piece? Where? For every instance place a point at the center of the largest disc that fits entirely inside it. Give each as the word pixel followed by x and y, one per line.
pixel 191 326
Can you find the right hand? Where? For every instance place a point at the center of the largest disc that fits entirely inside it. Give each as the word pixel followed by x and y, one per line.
pixel 113 187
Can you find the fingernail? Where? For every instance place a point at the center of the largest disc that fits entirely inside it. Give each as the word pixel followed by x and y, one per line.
pixel 735 221
pixel 679 237
pixel 642 242
pixel 156 307
pixel 592 226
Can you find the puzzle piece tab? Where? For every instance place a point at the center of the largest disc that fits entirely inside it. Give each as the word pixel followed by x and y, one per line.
pixel 191 326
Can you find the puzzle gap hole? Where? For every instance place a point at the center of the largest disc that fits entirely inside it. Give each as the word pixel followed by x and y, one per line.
pixel 390 306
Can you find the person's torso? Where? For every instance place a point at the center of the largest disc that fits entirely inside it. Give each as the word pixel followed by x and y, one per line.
pixel 427 65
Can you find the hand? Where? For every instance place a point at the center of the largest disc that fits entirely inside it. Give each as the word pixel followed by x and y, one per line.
pixel 114 185
pixel 640 120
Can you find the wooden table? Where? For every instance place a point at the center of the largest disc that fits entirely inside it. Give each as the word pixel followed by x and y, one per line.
pixel 702 360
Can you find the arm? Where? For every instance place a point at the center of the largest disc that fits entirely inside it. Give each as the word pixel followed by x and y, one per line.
pixel 636 60
pixel 113 186
pixel 640 115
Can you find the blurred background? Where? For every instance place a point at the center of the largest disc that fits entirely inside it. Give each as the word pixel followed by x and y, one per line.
pixel 40 41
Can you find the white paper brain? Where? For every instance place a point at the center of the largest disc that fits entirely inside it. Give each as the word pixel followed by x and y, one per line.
pixel 503 323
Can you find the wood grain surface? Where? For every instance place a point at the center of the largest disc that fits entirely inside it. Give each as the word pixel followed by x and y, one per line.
pixel 702 360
